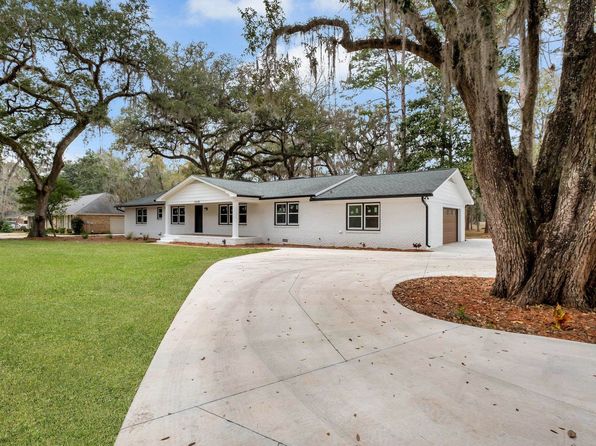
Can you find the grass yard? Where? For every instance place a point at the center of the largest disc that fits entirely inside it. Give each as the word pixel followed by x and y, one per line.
pixel 79 324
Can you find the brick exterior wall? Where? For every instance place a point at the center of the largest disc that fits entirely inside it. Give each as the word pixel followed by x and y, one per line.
pixel 96 224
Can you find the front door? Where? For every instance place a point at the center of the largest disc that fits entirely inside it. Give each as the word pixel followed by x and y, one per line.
pixel 199 218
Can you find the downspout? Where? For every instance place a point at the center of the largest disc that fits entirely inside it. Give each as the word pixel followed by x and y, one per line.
pixel 423 199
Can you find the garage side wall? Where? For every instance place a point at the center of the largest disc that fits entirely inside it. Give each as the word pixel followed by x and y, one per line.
pixel 446 196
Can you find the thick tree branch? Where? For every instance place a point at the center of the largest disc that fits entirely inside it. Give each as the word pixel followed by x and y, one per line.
pixel 11 75
pixel 580 47
pixel 45 78
pixel 180 156
pixel 430 54
pixel 447 15
pixel 529 31
pixel 421 30
pixel 63 144
pixel 22 154
pixel 45 96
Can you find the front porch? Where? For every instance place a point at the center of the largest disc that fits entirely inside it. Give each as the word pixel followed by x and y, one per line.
pixel 196 212
pixel 210 239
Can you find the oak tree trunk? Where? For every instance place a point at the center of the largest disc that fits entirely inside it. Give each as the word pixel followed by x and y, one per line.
pixel 38 225
pixel 564 269
pixel 543 223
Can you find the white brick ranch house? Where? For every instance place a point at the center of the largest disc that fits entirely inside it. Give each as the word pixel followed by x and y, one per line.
pixel 388 211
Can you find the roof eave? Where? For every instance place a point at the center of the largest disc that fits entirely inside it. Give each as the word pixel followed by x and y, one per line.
pixel 371 197
pixel 285 197
pixel 140 205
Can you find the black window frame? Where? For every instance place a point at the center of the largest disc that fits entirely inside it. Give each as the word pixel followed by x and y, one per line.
pixel 230 214
pixel 363 216
pixel 143 215
pixel 159 213
pixel 286 213
pixel 179 216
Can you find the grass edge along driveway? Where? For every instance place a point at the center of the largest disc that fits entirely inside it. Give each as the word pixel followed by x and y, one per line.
pixel 80 322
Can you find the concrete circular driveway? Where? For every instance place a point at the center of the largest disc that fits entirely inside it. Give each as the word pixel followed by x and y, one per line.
pixel 308 347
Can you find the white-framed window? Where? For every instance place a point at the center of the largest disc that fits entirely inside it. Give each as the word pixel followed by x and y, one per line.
pixel 225 214
pixel 372 216
pixel 363 216
pixel 287 213
pixel 159 213
pixel 178 215
pixel 354 217
pixel 242 214
pixel 293 211
pixel 141 216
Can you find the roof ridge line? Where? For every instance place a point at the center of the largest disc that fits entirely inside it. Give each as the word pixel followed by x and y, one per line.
pixel 276 181
pixel 334 185
pixel 440 169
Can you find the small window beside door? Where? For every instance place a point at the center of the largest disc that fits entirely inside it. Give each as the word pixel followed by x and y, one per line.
pixel 363 216
pixel 178 215
pixel 226 214
pixel 159 213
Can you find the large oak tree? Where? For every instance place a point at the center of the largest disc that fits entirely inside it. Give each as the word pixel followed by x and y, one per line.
pixel 542 210
pixel 62 64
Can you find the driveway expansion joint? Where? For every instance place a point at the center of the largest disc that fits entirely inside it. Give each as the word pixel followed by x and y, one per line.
pixel 242 426
pixel 311 319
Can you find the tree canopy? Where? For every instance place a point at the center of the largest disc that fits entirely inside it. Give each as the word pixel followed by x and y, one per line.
pixel 60 196
pixel 63 63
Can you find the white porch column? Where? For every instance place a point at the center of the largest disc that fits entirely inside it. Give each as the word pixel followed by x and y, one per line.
pixel 168 217
pixel 235 218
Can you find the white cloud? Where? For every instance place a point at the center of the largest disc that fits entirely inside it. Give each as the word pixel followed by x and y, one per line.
pixel 227 9
pixel 333 6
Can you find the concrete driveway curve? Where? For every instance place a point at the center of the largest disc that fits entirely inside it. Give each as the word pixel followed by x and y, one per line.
pixel 308 347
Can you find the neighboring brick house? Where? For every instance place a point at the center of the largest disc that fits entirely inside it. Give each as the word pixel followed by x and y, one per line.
pixel 98 211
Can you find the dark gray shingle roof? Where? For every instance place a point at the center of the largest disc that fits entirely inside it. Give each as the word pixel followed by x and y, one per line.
pixel 102 203
pixel 391 185
pixel 149 200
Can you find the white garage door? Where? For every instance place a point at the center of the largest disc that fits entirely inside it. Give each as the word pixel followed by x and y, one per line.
pixel 117 225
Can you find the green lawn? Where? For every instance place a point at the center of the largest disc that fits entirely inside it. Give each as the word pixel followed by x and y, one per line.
pixel 79 324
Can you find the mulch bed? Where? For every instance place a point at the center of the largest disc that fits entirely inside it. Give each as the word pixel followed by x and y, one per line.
pixel 290 245
pixel 467 300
